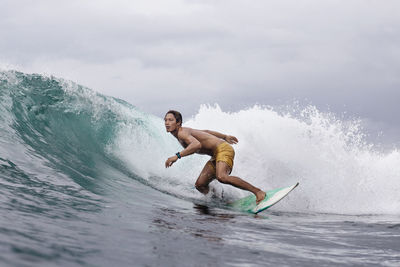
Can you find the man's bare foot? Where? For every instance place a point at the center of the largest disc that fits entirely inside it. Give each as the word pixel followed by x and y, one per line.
pixel 260 195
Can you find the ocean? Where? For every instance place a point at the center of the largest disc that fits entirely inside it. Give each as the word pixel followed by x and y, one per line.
pixel 83 183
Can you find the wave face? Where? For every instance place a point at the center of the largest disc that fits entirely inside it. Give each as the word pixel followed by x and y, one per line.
pixel 68 138
pixel 58 125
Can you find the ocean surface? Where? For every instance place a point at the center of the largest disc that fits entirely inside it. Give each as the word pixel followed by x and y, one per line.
pixel 83 183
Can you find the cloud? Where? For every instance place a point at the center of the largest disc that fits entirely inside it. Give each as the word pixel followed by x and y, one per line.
pixel 156 54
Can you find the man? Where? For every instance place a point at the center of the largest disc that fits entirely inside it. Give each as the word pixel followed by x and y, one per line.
pixel 210 143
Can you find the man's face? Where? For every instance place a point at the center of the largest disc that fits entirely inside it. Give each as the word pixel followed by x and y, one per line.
pixel 170 122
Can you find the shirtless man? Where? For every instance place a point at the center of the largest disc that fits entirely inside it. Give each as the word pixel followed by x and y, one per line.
pixel 210 143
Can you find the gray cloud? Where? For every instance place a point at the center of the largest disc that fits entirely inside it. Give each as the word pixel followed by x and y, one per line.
pixel 339 54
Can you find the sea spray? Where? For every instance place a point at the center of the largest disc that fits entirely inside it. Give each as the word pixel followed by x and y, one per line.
pixel 338 171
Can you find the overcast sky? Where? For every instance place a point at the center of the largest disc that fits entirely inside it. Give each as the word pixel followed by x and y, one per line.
pixel 338 55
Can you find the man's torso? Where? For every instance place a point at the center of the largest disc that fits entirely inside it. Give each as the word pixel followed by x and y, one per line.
pixel 208 141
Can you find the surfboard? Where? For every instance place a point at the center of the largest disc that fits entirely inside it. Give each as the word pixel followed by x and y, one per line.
pixel 248 204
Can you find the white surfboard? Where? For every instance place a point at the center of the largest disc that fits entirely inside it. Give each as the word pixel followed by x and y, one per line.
pixel 248 204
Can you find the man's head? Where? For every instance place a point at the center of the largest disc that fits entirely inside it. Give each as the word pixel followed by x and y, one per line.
pixel 173 120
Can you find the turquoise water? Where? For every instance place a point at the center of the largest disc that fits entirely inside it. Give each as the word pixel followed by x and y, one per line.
pixel 82 183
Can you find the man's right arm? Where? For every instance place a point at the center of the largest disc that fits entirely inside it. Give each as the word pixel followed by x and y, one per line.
pixel 217 134
pixel 229 138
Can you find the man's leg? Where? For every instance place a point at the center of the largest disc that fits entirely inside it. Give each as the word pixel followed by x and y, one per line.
pixel 205 177
pixel 222 173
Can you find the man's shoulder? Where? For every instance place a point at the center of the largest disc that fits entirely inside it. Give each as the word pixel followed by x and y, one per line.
pixel 190 131
pixel 184 131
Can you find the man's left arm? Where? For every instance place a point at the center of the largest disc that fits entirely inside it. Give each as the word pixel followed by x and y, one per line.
pixel 193 146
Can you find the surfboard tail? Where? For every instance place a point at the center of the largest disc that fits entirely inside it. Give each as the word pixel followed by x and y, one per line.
pixel 273 197
pixel 248 204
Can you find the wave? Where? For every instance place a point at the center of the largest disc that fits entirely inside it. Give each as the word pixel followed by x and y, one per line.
pixel 338 171
pixel 50 125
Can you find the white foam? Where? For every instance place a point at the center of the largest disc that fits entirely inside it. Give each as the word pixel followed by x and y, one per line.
pixel 338 171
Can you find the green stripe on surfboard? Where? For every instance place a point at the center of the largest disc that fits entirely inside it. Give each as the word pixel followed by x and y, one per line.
pixel 248 204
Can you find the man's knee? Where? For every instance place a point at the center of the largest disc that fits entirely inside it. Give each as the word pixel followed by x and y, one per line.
pixel 201 187
pixel 198 186
pixel 223 178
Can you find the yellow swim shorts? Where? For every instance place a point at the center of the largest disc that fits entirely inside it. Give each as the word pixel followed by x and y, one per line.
pixel 225 153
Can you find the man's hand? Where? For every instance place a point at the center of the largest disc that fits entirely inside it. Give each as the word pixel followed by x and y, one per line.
pixel 171 161
pixel 231 139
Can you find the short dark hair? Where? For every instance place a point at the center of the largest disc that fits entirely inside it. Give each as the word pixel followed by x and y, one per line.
pixel 177 115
